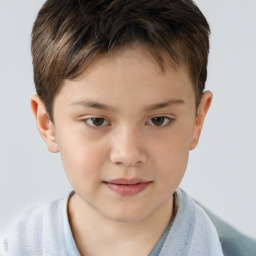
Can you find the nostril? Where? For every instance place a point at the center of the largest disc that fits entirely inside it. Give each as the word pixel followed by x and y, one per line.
pixel 128 164
pixel 128 152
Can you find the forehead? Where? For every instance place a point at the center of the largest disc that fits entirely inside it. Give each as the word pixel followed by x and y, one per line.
pixel 132 74
pixel 131 57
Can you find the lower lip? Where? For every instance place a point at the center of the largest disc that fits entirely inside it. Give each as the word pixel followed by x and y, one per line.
pixel 128 190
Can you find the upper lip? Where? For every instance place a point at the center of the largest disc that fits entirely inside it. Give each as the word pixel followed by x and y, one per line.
pixel 123 181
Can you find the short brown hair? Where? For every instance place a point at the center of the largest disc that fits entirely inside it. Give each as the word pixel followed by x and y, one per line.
pixel 68 34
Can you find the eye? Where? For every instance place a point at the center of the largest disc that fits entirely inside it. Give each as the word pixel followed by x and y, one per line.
pixel 160 121
pixel 96 121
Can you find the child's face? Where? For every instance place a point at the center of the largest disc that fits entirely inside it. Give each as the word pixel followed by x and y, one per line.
pixel 145 124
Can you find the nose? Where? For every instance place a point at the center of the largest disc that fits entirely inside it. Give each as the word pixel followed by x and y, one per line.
pixel 127 148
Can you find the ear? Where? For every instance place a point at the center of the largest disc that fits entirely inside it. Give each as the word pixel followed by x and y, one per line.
pixel 44 124
pixel 202 110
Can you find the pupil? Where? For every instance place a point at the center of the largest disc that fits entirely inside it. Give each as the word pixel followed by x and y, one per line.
pixel 97 121
pixel 158 120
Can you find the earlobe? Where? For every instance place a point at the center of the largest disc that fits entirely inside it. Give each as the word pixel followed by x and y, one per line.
pixel 44 124
pixel 202 110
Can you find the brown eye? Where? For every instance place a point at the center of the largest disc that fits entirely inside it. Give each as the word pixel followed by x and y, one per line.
pixel 159 121
pixel 96 121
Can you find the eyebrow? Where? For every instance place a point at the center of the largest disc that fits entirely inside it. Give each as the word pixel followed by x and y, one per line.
pixel 97 105
pixel 92 104
pixel 168 103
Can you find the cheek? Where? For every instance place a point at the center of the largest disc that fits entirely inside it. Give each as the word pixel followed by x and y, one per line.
pixel 173 159
pixel 172 155
pixel 82 158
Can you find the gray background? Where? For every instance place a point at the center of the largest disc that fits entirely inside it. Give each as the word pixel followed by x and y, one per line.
pixel 222 170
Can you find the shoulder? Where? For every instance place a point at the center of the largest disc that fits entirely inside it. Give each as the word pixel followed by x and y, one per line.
pixel 205 233
pixel 233 242
pixel 192 233
pixel 33 229
pixel 204 238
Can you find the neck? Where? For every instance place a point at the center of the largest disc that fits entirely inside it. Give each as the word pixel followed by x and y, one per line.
pixel 91 229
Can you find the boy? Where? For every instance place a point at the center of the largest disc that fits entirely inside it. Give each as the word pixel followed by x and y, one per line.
pixel 120 94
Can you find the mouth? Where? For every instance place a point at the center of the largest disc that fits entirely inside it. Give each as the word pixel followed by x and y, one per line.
pixel 128 187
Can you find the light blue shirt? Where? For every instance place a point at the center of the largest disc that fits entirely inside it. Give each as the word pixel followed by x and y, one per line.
pixel 45 231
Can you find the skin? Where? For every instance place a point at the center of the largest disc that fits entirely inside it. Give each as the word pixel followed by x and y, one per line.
pixel 130 91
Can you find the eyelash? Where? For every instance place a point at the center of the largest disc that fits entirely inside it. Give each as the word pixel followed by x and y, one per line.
pixel 167 121
pixel 87 120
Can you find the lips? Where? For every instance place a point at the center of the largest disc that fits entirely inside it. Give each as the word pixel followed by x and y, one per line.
pixel 128 187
